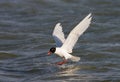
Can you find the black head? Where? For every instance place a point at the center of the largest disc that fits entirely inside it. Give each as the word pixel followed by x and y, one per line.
pixel 53 49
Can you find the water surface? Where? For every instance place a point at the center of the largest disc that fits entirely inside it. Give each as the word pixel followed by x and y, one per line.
pixel 25 37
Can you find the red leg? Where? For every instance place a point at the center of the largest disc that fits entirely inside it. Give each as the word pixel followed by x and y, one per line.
pixel 62 62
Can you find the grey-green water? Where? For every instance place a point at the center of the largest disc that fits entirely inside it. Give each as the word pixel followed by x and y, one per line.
pixel 25 37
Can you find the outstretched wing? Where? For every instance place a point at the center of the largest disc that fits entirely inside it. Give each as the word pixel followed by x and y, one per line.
pixel 58 35
pixel 75 33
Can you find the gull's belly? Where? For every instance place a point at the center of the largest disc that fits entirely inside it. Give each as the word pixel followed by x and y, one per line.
pixel 63 53
pixel 60 53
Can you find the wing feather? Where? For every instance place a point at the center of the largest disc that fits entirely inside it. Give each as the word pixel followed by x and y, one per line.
pixel 58 35
pixel 76 33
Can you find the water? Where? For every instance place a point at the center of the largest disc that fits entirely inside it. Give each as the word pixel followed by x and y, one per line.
pixel 25 37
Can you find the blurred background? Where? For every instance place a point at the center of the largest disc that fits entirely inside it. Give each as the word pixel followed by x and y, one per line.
pixel 26 35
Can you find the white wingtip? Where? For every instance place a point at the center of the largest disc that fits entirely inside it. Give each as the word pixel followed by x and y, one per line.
pixel 58 24
pixel 89 16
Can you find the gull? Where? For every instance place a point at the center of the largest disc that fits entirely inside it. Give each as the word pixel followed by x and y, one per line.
pixel 64 46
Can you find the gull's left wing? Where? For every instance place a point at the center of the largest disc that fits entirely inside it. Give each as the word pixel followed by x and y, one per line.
pixel 58 35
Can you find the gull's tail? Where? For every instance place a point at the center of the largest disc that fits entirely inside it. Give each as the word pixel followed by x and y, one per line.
pixel 75 58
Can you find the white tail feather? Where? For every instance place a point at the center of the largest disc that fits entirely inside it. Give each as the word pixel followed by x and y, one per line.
pixel 75 58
